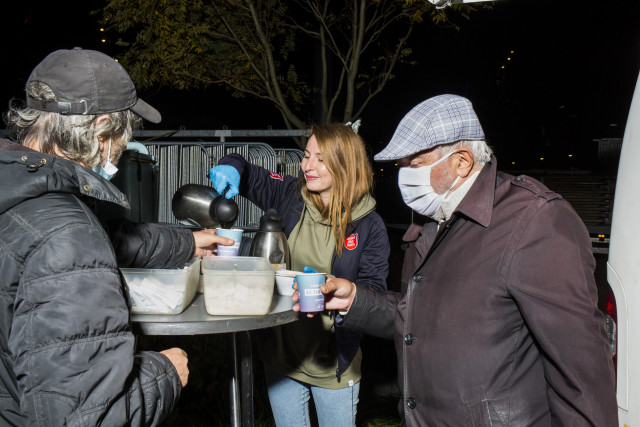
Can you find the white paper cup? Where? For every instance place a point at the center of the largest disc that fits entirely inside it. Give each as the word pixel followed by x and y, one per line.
pixel 228 250
pixel 231 233
pixel 284 281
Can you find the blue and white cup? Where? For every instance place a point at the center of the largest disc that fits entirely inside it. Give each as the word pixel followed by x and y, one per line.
pixel 232 233
pixel 311 299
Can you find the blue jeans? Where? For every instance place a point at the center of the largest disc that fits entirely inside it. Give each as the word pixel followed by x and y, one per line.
pixel 289 400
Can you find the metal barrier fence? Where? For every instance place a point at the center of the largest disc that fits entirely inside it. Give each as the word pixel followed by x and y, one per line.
pixel 189 162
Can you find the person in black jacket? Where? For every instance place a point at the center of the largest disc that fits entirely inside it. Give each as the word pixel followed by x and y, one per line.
pixel 329 218
pixel 67 353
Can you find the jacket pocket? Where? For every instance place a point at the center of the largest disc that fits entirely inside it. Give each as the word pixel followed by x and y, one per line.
pixel 56 407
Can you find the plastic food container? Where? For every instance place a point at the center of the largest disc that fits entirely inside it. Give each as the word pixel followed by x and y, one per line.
pixel 237 285
pixel 162 291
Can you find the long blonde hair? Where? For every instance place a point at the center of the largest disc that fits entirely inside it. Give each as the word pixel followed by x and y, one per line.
pixel 345 157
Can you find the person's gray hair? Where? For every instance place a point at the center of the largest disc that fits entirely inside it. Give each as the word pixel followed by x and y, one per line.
pixel 76 136
pixel 481 151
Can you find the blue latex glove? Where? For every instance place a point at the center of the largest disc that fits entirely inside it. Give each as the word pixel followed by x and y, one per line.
pixel 306 269
pixel 223 176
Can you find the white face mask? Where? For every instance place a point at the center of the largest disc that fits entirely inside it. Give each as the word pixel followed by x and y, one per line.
pixel 417 192
pixel 109 169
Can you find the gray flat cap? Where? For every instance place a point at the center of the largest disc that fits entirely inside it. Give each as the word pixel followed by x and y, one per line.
pixel 442 119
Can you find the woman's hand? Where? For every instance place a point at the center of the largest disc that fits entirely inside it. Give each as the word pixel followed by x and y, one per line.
pixel 207 241
pixel 223 176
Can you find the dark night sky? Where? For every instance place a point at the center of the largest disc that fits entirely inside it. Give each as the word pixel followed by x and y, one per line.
pixel 571 76
pixel 570 80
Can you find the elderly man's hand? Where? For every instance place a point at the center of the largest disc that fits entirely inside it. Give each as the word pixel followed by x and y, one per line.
pixel 338 295
pixel 207 242
pixel 178 358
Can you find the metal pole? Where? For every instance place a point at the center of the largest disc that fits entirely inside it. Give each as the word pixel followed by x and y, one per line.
pixel 153 135
pixel 234 392
pixel 246 379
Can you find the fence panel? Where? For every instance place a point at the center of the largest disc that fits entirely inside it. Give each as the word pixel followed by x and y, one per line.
pixel 189 162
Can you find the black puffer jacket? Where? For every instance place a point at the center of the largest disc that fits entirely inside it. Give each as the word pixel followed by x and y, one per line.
pixel 66 347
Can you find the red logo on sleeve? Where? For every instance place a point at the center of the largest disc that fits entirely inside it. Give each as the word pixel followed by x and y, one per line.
pixel 351 242
pixel 274 175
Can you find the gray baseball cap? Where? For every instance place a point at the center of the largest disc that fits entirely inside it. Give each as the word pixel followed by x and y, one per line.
pixel 442 119
pixel 87 82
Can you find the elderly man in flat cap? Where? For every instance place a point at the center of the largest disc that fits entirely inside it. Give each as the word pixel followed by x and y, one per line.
pixel 497 322
pixel 67 354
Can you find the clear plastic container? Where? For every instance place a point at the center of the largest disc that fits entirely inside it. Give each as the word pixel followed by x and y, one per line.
pixel 162 291
pixel 237 285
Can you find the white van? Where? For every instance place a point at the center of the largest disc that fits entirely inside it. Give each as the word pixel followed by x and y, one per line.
pixel 623 269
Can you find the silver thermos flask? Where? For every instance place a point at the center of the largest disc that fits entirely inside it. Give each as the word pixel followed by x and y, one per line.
pixel 270 241
pixel 201 206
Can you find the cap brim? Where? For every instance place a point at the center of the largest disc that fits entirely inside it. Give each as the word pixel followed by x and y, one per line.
pixel 386 155
pixel 146 111
pixel 396 149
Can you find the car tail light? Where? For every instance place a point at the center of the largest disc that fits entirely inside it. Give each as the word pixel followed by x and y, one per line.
pixel 610 325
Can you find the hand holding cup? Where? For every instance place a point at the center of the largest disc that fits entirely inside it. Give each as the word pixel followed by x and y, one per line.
pixel 231 233
pixel 338 293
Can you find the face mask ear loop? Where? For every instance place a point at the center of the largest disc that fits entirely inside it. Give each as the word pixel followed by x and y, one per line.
pixel 109 153
pixel 448 192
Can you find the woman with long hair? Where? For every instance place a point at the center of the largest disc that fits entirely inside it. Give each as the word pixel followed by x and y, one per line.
pixel 329 218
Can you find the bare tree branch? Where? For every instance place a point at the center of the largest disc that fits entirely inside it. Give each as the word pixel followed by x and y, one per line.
pixel 267 49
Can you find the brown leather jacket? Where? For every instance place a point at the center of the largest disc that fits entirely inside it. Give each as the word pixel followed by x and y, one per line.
pixel 497 322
